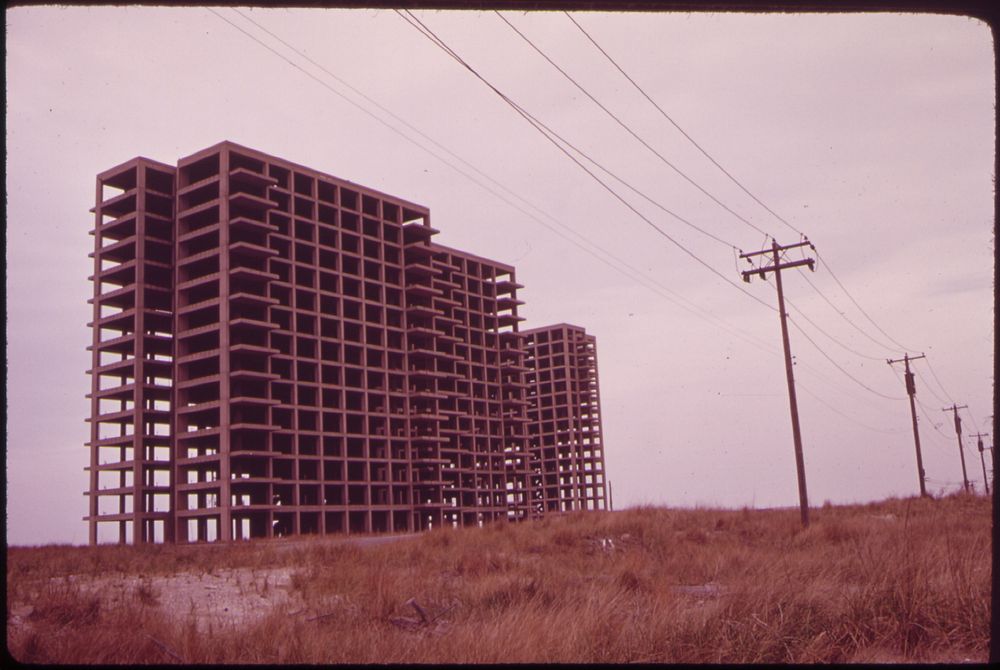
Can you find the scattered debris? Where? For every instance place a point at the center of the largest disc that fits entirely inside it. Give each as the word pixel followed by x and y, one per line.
pixel 424 622
pixel 420 610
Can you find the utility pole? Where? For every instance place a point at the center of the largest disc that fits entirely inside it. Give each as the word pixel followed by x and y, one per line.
pixel 958 431
pixel 911 390
pixel 982 459
pixel 776 267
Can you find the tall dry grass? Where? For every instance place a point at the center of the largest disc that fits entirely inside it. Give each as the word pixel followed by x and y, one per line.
pixel 902 580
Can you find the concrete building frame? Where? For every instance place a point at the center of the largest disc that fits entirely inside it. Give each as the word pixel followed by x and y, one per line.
pixel 277 351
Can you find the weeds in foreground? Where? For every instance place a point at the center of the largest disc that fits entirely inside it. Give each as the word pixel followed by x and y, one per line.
pixel 903 580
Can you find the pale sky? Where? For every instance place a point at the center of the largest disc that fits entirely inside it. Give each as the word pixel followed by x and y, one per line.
pixel 871 133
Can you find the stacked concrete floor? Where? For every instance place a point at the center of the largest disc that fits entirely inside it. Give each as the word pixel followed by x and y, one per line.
pixel 277 351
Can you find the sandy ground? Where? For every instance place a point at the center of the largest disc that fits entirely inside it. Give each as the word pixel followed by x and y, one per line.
pixel 220 598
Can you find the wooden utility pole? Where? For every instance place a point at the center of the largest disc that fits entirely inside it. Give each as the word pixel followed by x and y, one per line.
pixel 982 459
pixel 776 267
pixel 911 390
pixel 958 431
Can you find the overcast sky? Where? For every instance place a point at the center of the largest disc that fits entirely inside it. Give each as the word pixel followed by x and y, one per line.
pixel 870 133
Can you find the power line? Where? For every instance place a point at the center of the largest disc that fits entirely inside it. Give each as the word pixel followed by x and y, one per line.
pixel 535 121
pixel 836 365
pixel 681 130
pixel 627 128
pixel 829 269
pixel 828 335
pixel 462 160
pixel 636 274
pixel 842 314
pixel 940 385
pixel 436 40
pixel 639 278
pixel 845 415
pixel 947 395
pixel 929 388
pixel 937 429
pixel 703 151
pixel 539 126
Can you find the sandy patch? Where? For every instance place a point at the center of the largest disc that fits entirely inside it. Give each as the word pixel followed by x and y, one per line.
pixel 212 600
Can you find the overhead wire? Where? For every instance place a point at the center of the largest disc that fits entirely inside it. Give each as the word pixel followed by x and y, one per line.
pixel 811 341
pixel 947 395
pixel 428 33
pixel 837 365
pixel 902 348
pixel 728 174
pixel 529 118
pixel 677 126
pixel 828 335
pixel 938 380
pixel 628 129
pixel 923 412
pixel 645 144
pixel 459 158
pixel 539 126
pixel 935 426
pixel 928 386
pixel 637 275
pixel 547 129
pixel 842 314
pixel 802 386
pixel 441 44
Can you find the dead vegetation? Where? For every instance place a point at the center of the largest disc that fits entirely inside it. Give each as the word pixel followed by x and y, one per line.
pixel 903 580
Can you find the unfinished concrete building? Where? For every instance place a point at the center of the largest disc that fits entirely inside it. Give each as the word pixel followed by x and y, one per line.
pixel 565 441
pixel 277 351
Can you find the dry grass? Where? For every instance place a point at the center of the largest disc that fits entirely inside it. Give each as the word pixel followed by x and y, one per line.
pixel 903 580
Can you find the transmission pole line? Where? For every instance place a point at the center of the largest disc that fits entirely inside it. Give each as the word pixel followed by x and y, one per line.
pixel 982 459
pixel 776 267
pixel 958 431
pixel 911 390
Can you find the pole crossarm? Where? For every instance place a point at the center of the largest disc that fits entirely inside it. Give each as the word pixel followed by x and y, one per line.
pixel 779 266
pixel 905 358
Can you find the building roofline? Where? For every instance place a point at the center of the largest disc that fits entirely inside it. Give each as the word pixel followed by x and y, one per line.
pixel 465 254
pixel 553 326
pixel 229 144
pixel 137 160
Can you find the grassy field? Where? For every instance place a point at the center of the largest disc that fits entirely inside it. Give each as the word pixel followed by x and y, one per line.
pixel 901 580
